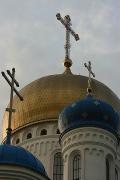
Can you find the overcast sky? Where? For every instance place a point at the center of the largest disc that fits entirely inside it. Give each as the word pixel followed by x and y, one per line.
pixel 32 40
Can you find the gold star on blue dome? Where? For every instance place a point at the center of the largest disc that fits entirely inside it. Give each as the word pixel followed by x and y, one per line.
pixel 73 105
pixel 96 103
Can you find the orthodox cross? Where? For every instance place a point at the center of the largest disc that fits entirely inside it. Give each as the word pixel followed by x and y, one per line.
pixel 89 68
pixel 67 24
pixel 10 109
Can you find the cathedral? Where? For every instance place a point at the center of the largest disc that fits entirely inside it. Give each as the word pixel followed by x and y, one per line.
pixel 66 128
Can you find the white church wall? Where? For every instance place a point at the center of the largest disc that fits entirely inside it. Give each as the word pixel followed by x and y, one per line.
pixel 42 146
pixel 93 145
pixel 9 172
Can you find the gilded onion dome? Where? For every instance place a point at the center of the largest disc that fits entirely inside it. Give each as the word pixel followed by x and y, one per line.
pixel 46 97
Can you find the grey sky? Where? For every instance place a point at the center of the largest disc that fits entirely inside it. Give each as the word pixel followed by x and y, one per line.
pixel 32 40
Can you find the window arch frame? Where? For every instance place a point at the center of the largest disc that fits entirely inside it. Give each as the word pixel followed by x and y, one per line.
pixel 70 164
pixel 58 131
pixel 43 132
pixel 26 132
pixel 109 167
pixel 17 141
pixel 116 173
pixel 57 172
pixel 76 167
pixel 29 135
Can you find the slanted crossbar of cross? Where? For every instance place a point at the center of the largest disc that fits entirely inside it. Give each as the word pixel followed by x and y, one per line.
pixel 10 109
pixel 89 68
pixel 67 24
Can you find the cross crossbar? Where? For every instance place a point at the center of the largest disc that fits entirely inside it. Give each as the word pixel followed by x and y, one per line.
pixel 10 109
pixel 89 68
pixel 17 93
pixel 9 73
pixel 67 24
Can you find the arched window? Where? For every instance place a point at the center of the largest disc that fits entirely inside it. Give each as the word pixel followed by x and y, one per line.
pixel 107 170
pixel 58 167
pixel 76 167
pixel 43 132
pixel 29 135
pixel 58 132
pixel 116 174
pixel 110 175
pixel 17 141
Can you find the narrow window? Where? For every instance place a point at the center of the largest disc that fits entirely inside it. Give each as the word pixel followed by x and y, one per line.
pixel 17 141
pixel 76 167
pixel 43 132
pixel 58 167
pixel 107 170
pixel 29 135
pixel 116 174
pixel 58 132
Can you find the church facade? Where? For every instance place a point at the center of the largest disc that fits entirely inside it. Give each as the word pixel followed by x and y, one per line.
pixel 71 124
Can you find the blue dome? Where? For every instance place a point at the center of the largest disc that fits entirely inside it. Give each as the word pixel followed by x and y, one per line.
pixel 13 155
pixel 89 112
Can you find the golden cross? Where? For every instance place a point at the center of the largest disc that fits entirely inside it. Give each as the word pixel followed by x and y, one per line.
pixel 10 109
pixel 89 68
pixel 67 24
